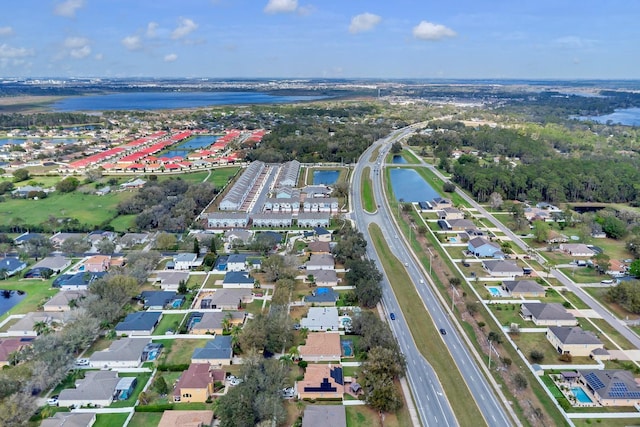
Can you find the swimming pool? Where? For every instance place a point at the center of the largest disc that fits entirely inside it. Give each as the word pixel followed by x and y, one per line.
pixel 580 395
pixel 453 239
pixel 495 291
pixel 347 348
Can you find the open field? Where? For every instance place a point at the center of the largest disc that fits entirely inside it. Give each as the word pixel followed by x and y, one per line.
pixel 88 209
pixel 145 419
pixel 368 200
pixel 425 334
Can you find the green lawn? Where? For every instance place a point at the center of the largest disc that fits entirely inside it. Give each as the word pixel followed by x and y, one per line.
pixel 179 351
pixel 38 292
pixel 366 190
pixel 426 335
pixel 537 341
pixel 583 274
pixel 145 419
pixel 89 209
pixel 575 300
pixel 124 223
pixel 508 314
pixel 169 321
pixel 110 420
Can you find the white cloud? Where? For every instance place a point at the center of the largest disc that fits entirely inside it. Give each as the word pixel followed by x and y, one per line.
pixel 68 8
pixel 574 42
pixel 6 31
pixel 78 47
pixel 151 29
pixel 281 6
pixel 170 57
pixel 9 52
pixel 185 27
pixel 430 31
pixel 98 56
pixel 132 42
pixel 364 22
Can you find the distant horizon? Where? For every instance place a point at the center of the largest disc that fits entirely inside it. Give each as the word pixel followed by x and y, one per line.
pixel 404 39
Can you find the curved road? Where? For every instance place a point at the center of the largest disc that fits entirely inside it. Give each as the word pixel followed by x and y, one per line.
pixel 433 406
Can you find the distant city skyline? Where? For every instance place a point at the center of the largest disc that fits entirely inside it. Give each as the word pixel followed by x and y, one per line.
pixel 321 39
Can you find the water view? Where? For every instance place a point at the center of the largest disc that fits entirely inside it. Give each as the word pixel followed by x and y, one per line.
pixel 626 116
pixel 325 177
pixel 10 298
pixel 193 144
pixel 409 186
pixel 398 159
pixel 170 100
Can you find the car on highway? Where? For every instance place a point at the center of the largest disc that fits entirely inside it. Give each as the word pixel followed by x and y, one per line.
pixel 443 331
pixel 421 281
pixel 392 316
pixel 406 264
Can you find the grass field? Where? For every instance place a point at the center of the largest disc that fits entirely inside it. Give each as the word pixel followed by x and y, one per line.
pixel 425 335
pixel 145 419
pixel 89 209
pixel 368 201
pixel 169 321
pixel 37 293
pixel 179 351
pixel 110 420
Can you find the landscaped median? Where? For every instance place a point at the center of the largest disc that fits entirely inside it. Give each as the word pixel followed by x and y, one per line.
pixel 426 335
pixel 366 190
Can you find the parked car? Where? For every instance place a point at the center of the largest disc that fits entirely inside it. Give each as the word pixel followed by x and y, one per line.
pixel 82 362
pixel 53 400
pixel 607 281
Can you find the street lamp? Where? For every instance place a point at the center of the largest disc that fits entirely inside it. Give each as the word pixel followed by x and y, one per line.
pixel 430 260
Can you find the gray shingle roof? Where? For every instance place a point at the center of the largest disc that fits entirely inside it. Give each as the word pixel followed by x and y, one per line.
pixel 125 349
pixel 548 311
pixel 574 335
pixel 522 286
pixel 217 348
pixel 139 321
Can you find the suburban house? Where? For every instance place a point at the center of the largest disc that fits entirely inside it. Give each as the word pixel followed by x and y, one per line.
pixel 170 280
pixel 316 191
pixel 523 288
pixel 76 281
pixel 547 314
pixel 281 205
pixel 185 261
pixel 325 277
pixel 227 299
pixel 617 268
pixel 25 237
pixel 238 236
pixel 555 237
pixel 64 300
pixel 440 203
pixel 70 419
pixel 482 247
pixel 97 388
pixel 322 234
pixel 321 381
pixel 196 383
pixel 212 322
pixel 123 353
pixel 321 262
pixel 324 415
pixel 321 319
pixel 450 213
pixel 140 323
pixel 132 239
pixel 11 345
pixel 55 263
pixel 237 262
pixel 100 263
pixel 501 268
pixel 198 418
pixel 577 249
pixel 573 340
pixel 611 387
pixel 314 219
pixel 11 266
pixel 459 224
pixel 318 247
pixel 238 279
pixel 227 220
pixel 320 204
pixel 286 193
pixel 158 300
pixel 321 347
pixel 322 297
pixel 239 192
pixel 272 219
pixel 29 324
pixel 216 352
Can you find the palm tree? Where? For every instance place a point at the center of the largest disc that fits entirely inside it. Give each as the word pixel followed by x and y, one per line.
pixel 235 335
pixel 294 352
pixel 41 328
pixel 286 360
pixel 226 323
pixel 304 332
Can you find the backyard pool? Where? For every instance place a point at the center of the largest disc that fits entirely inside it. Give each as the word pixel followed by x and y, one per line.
pixel 495 291
pixel 580 395
pixel 347 348
pixel 453 239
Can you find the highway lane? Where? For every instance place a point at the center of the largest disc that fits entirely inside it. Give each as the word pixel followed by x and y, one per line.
pixel 491 408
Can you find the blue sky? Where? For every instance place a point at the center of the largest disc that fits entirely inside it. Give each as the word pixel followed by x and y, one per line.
pixel 564 39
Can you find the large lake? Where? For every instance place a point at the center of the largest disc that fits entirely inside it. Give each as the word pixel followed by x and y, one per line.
pixel 625 116
pixel 9 298
pixel 409 186
pixel 170 100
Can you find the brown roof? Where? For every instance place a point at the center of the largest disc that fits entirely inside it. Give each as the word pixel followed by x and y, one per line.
pixel 186 419
pixel 197 376
pixel 318 246
pixel 321 344
pixel 9 345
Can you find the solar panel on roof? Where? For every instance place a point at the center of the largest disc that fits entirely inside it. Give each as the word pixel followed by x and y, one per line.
pixel 594 381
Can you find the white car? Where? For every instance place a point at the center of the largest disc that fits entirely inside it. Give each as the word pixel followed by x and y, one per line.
pixel 53 400
pixel 82 362
pixel 235 381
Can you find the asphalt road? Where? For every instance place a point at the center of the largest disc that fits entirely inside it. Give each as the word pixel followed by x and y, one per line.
pixel 432 405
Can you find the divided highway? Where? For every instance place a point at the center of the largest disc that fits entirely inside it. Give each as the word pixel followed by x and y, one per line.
pixel 432 405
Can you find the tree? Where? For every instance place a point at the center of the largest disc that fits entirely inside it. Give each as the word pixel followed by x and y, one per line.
pixel 495 337
pixel 541 231
pixel 396 147
pixel 495 200
pixel 75 245
pixel 634 268
pixel 106 246
pixel 67 185
pixel 160 385
pixel 274 267
pixel 455 281
pixel 536 356
pixel 627 294
pixel 614 227
pixel 166 241
pixel 21 175
pixel 633 245
pixel 182 287
pixel 520 381
pixel 38 247
pixel 196 246
pixel 602 261
pixel 382 367
pixel 449 187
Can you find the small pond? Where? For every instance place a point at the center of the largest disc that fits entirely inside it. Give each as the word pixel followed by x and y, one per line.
pixel 195 143
pixel 409 186
pixel 325 177
pixel 398 159
pixel 10 298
